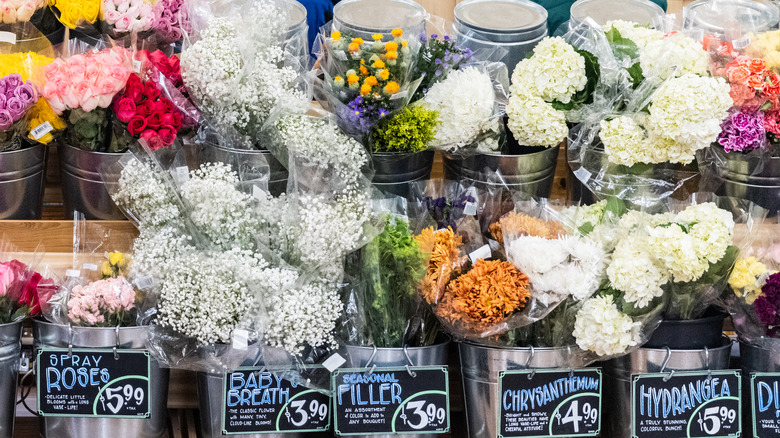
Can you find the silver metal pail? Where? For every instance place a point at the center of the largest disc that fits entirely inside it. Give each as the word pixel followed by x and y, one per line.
pixel 82 187
pixel 394 171
pixel 22 182
pixel 364 18
pixel 210 394
pixel 48 335
pixel 747 177
pixel 255 164
pixel 760 356
pixel 10 349
pixel 481 366
pixel 367 357
pixel 531 174
pixel 617 378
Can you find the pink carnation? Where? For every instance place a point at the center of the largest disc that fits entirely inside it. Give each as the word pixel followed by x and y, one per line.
pixel 101 302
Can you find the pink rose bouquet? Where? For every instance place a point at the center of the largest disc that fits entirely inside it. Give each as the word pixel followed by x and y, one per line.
pixel 169 20
pixel 19 11
pixel 81 88
pixel 21 291
pixel 103 303
pixel 126 16
pixel 16 98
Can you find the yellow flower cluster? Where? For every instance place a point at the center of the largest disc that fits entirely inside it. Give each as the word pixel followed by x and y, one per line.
pixel 116 264
pixel 41 113
pixel 767 47
pixel 74 12
pixel 746 277
pixel 373 74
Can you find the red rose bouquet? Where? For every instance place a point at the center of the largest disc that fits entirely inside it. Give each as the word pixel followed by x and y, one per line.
pixel 21 291
pixel 143 113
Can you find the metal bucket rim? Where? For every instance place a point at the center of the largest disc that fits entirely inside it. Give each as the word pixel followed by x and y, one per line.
pixel 498 347
pixel 110 154
pixel 447 340
pixel 727 343
pixel 400 154
pixel 500 43
pixel 543 15
pixel 490 154
pixel 24 150
pixel 77 328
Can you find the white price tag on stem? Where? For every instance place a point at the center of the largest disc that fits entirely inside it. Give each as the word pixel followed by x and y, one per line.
pixel 89 267
pixel 240 339
pixel 74 273
pixel 258 193
pixel 334 362
pixel 481 253
pixel 8 37
pixel 470 209
pixel 41 130
pixel 182 174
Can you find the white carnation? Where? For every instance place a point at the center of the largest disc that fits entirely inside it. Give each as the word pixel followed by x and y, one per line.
pixel 600 327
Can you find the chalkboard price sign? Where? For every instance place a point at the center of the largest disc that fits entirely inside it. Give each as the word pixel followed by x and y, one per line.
pixel 257 400
pixel 765 404
pixel 391 400
pixel 93 383
pixel 549 403
pixel 687 405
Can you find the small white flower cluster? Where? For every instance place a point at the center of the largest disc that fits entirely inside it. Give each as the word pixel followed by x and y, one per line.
pixel 675 55
pixel 218 208
pixel 146 195
pixel 153 250
pixel 323 144
pixel 236 71
pixel 640 35
pixel 584 214
pixel 679 248
pixel 685 116
pixel 303 315
pixel 466 103
pixel 563 267
pixel 602 328
pixel 554 72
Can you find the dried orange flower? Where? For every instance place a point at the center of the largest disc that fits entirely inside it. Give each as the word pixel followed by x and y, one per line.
pixel 444 248
pixel 490 292
pixel 523 225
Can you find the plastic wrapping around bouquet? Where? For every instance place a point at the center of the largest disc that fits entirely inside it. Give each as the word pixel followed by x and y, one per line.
pixel 531 173
pixel 29 38
pixel 297 42
pixel 10 349
pixel 643 187
pixel 253 164
pixel 748 177
pixel 760 356
pixel 512 26
pixel 363 18
pixel 48 335
pixel 617 378
pixel 749 15
pixel 22 182
pixel 367 357
pixel 706 331
pixel 394 171
pixel 643 12
pixel 82 187
pixel 481 366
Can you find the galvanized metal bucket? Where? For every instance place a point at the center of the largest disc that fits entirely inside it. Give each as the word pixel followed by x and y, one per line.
pixel 742 16
pixel 210 395
pixel 643 12
pixel 760 356
pixel 531 173
pixel 617 378
pixel 481 366
pixel 364 18
pixel 10 349
pixel 48 335
pixel 255 165
pixel 750 178
pixel 508 28
pixel 372 357
pixel 82 187
pixel 394 171
pixel 22 182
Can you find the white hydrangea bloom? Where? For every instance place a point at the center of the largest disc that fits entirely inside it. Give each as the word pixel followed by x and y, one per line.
pixel 635 272
pixel 711 227
pixel 466 103
pixel 674 55
pixel 640 35
pixel 600 327
pixel 557 70
pixel 625 141
pixel 677 251
pixel 534 122
pixel 218 208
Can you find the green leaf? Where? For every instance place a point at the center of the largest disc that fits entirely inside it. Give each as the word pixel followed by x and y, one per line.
pixel 621 47
pixel 615 206
pixel 584 96
pixel 636 73
pixel 586 228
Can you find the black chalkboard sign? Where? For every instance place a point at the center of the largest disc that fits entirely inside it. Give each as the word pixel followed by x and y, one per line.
pixel 687 404
pixel 765 404
pixel 256 400
pixel 93 383
pixel 549 403
pixel 391 400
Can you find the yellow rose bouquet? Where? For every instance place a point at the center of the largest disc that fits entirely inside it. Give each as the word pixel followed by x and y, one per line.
pixel 76 13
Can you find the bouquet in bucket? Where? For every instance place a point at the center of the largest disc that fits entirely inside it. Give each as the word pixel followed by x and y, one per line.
pixel 20 12
pixel 123 17
pixel 237 68
pixel 22 289
pixel 17 98
pixel 81 88
pixel 73 14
